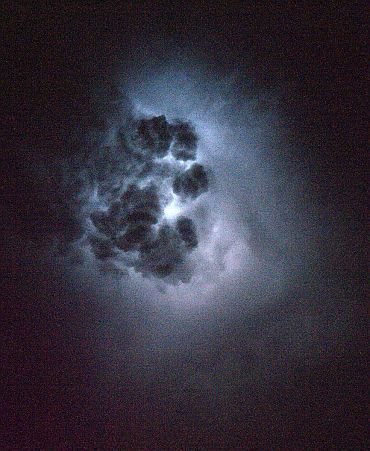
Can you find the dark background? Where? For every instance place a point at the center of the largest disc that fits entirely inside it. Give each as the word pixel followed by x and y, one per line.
pixel 54 392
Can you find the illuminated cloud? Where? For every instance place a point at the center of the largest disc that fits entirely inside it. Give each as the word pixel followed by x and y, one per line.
pixel 137 184
pixel 175 192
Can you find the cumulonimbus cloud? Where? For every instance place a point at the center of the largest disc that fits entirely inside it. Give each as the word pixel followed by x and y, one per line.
pixel 129 182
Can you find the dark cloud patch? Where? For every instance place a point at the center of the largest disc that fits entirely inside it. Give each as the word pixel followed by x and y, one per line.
pixel 162 255
pixel 109 223
pixel 134 235
pixel 137 208
pixel 187 231
pixel 102 247
pixel 147 138
pixel 185 141
pixel 192 182
pixel 153 135
pixel 141 204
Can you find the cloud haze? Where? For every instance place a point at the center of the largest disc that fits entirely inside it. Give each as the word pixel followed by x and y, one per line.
pixel 181 224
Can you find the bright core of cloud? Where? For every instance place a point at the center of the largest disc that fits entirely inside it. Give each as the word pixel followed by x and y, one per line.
pixel 173 208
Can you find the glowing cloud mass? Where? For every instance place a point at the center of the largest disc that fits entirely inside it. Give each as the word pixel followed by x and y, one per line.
pixel 181 220
pixel 172 194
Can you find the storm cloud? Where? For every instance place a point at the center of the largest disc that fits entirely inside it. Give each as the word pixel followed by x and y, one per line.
pixel 153 136
pixel 212 146
pixel 129 180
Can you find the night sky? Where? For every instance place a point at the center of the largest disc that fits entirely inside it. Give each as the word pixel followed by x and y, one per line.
pixel 183 190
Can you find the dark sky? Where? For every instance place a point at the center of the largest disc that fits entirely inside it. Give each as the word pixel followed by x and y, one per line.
pixel 254 334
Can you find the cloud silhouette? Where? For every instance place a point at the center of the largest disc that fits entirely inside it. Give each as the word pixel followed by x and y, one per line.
pixel 133 182
pixel 191 183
